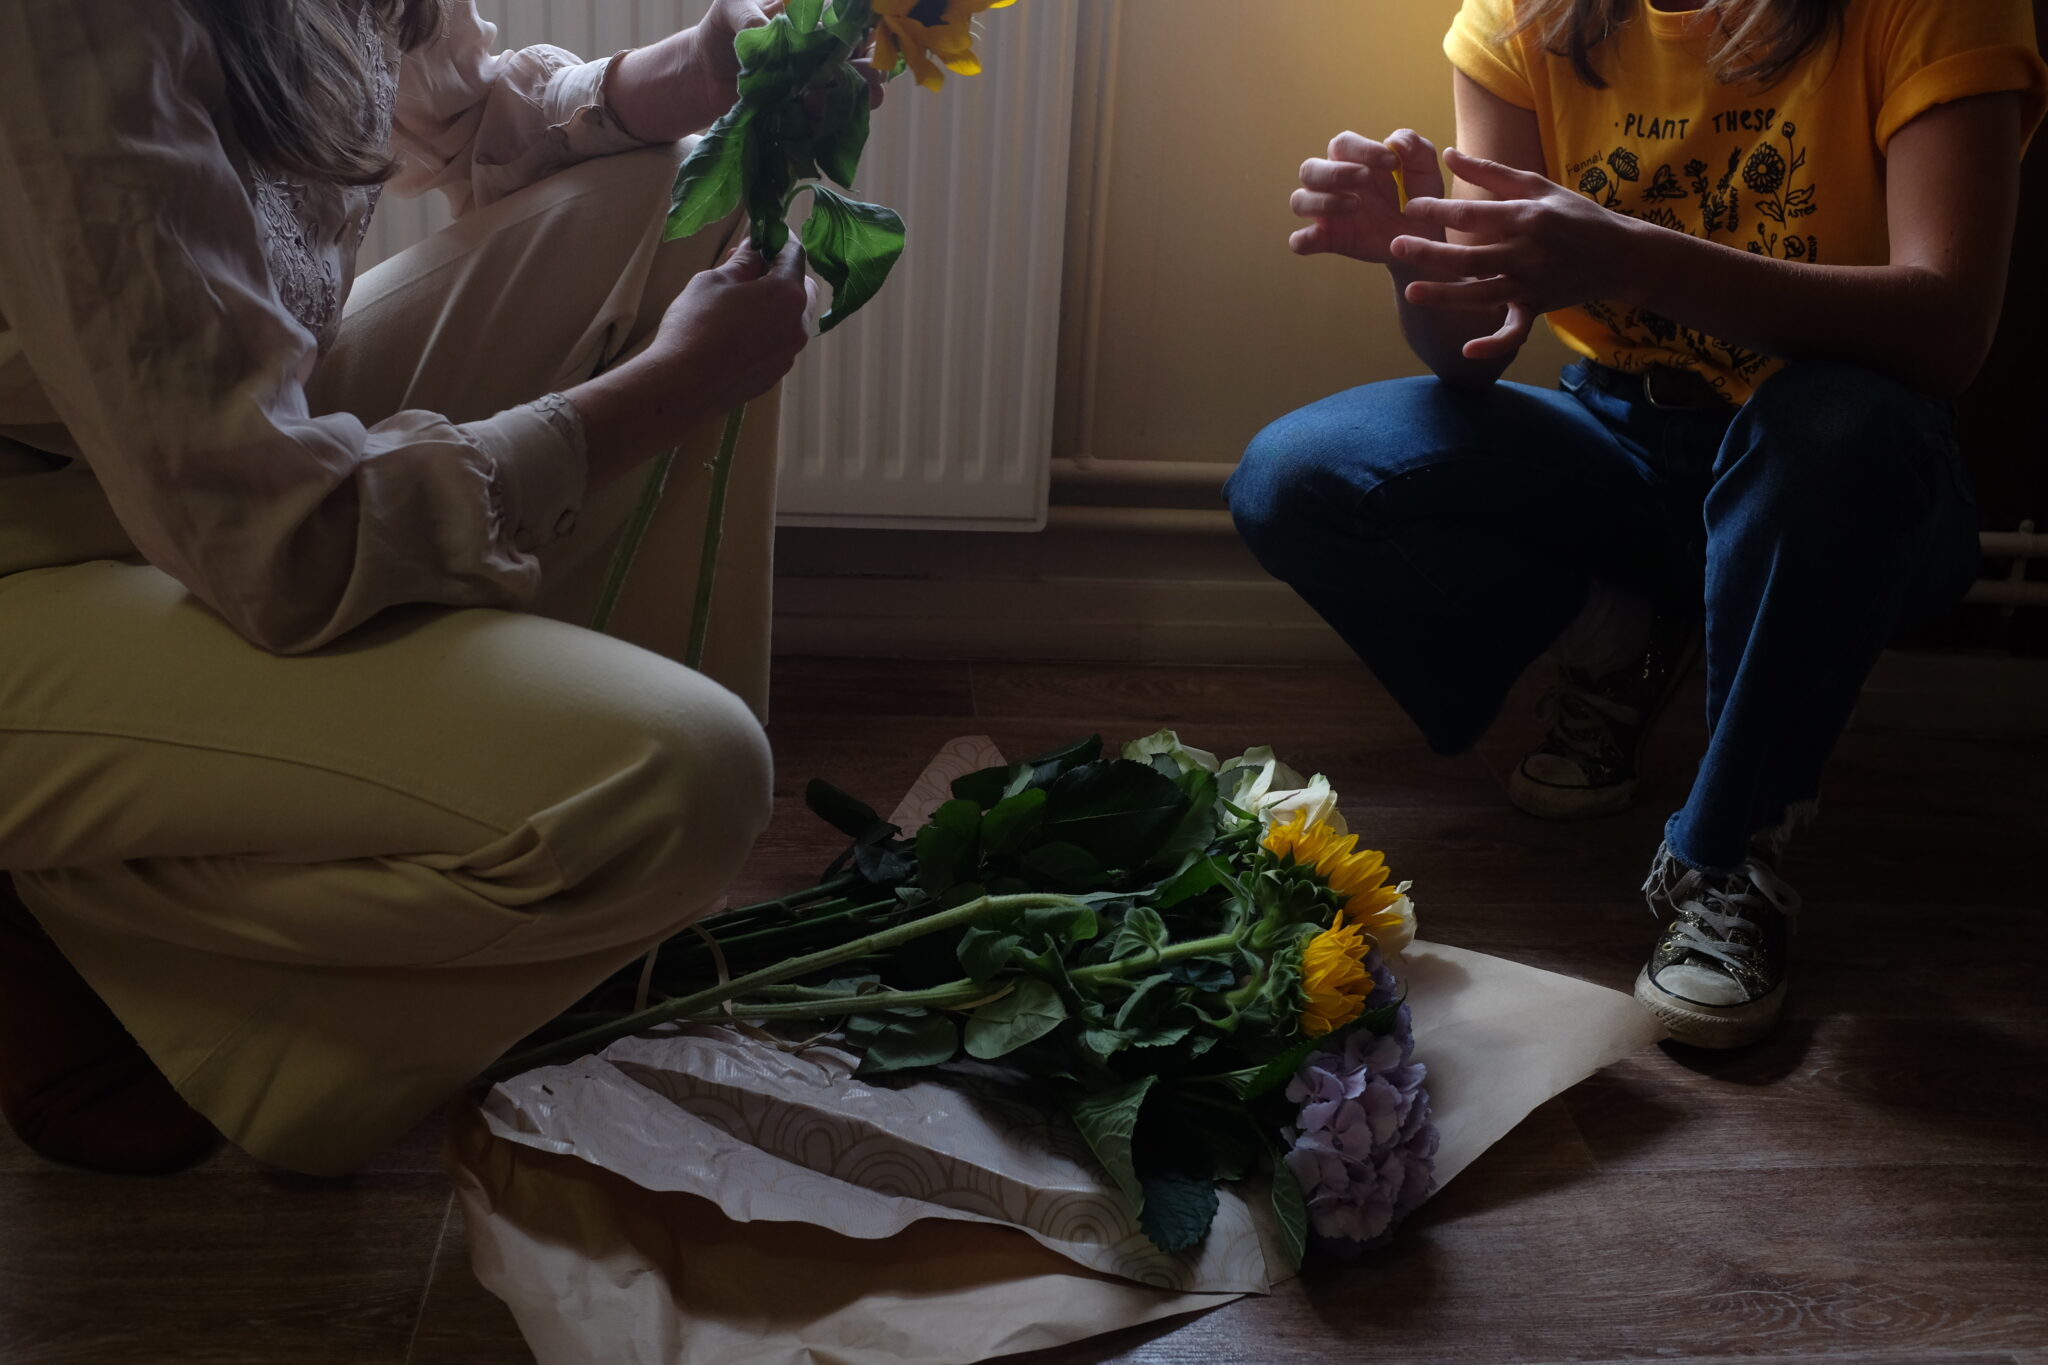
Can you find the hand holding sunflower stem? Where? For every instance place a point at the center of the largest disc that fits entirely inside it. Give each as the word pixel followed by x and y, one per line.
pixel 805 90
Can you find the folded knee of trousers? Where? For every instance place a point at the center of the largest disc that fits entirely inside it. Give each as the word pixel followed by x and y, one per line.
pixel 675 808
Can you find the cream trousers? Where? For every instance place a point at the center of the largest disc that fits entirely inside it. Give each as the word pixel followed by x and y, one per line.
pixel 323 892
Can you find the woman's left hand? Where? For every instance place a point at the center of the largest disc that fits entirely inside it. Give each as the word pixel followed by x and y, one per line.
pixel 717 34
pixel 681 85
pixel 1537 247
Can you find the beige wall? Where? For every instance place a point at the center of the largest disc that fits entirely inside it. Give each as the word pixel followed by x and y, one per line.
pixel 1189 324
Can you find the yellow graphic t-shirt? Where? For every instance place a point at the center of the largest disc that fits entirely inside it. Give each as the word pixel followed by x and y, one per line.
pixel 1795 171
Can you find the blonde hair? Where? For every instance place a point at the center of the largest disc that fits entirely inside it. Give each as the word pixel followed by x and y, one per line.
pixel 1756 40
pixel 299 95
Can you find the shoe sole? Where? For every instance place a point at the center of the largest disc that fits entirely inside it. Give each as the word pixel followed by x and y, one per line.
pixel 1710 1026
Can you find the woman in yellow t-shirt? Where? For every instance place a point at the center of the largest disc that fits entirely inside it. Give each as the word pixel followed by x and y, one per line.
pixel 1778 233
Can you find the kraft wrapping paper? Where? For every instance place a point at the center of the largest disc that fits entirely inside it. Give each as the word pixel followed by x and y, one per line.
pixel 699 1199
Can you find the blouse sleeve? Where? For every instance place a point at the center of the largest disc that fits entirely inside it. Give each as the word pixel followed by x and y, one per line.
pixel 479 124
pixel 133 278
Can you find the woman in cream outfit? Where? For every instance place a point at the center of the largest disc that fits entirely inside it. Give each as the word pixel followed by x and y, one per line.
pixel 309 784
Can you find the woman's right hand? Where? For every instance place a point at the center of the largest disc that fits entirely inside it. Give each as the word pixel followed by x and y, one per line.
pixel 731 336
pixel 736 331
pixel 1350 198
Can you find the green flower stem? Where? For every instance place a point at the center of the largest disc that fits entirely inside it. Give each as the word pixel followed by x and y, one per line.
pixel 714 538
pixel 1173 952
pixel 838 1005
pixel 841 1006
pixel 795 900
pixel 629 542
pixel 683 1007
pixel 794 928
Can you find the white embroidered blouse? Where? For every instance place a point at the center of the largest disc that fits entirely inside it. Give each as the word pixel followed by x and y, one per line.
pixel 163 302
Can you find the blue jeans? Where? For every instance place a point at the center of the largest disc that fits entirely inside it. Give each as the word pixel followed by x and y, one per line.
pixel 1450 535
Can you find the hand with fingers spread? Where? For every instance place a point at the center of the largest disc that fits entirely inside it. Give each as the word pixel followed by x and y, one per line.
pixel 1351 199
pixel 1534 248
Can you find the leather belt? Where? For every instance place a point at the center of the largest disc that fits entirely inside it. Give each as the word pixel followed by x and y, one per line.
pixel 1662 386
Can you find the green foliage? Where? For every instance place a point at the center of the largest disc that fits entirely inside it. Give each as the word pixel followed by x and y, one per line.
pixel 946 847
pixel 1029 1012
pixel 1148 973
pixel 803 113
pixel 1121 812
pixel 1290 1209
pixel 1177 1211
pixel 848 814
pixel 713 182
pixel 853 246
pixel 904 1041
pixel 1011 826
pixel 1108 1120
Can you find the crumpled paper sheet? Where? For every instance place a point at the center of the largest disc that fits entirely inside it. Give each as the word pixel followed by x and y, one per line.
pixel 697 1199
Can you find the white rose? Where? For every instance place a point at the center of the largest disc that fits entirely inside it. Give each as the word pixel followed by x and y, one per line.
pixel 1167 743
pixel 1396 938
pixel 1317 798
pixel 1260 783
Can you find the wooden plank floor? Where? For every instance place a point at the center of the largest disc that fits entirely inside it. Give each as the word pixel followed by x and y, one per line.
pixel 1869 1186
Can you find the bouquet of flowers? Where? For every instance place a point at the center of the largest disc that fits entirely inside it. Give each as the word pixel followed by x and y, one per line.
pixel 1192 958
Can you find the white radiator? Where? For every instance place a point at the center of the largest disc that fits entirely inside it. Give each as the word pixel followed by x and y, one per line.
pixel 933 409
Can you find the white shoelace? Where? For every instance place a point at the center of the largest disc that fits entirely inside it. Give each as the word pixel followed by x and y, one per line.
pixel 1695 899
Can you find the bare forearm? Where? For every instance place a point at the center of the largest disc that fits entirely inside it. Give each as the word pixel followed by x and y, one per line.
pixel 1905 321
pixel 630 415
pixel 671 89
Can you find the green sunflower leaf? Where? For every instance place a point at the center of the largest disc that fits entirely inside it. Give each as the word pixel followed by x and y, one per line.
pixel 713 180
pixel 906 1044
pixel 1025 1015
pixel 853 246
pixel 806 14
pixel 1142 931
pixel 843 139
pixel 1108 1119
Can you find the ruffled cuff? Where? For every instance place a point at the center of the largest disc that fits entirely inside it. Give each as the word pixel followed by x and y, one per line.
pixel 580 110
pixel 541 463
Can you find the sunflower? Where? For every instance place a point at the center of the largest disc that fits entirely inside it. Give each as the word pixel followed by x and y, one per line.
pixel 1334 981
pixel 1357 876
pixel 918 31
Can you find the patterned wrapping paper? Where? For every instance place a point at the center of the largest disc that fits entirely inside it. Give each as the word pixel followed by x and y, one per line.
pixel 702 1198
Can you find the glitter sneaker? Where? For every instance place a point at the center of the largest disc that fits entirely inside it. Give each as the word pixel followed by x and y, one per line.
pixel 1717 975
pixel 1590 762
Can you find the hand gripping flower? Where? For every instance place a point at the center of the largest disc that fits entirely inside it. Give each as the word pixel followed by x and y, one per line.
pixel 802 119
pixel 1169 948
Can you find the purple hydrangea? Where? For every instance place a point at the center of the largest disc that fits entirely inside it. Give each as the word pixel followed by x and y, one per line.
pixel 1364 1148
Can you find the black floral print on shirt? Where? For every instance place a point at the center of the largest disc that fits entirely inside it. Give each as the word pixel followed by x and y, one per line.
pixel 1760 187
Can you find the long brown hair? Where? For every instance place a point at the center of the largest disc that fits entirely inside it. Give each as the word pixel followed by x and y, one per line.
pixel 297 88
pixel 1755 40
